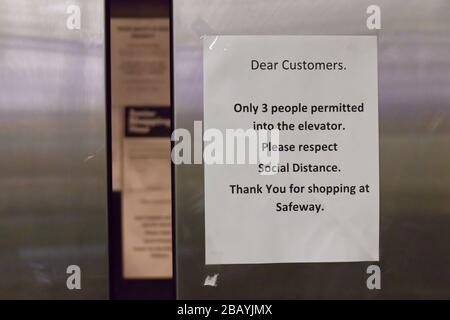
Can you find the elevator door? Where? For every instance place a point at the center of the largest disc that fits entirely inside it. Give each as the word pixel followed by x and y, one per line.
pixel 414 148
pixel 53 186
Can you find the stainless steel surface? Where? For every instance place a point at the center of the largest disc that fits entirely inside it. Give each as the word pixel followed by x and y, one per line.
pixel 52 150
pixel 414 120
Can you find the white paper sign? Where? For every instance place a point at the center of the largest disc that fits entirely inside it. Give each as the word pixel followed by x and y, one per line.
pixel 146 209
pixel 140 74
pixel 321 203
pixel 140 67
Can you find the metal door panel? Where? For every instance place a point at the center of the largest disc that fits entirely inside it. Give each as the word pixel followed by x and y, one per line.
pixel 52 150
pixel 414 113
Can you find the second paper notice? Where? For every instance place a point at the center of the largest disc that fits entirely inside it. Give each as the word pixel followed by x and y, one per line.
pixel 320 201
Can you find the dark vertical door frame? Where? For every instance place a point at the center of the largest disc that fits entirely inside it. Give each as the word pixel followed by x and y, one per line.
pixel 121 288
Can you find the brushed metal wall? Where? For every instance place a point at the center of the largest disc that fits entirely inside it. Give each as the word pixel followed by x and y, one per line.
pixel 53 193
pixel 414 121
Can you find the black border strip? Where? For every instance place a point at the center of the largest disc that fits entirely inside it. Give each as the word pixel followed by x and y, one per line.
pixel 172 128
pixel 107 34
